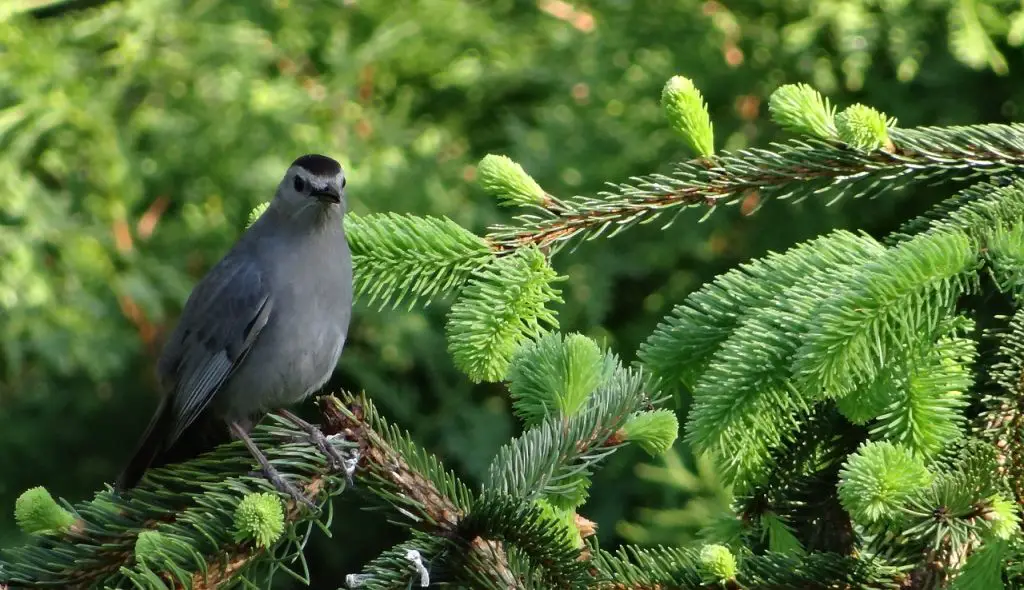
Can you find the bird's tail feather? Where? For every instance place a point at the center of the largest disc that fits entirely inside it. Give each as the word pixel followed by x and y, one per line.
pixel 150 446
pixel 156 451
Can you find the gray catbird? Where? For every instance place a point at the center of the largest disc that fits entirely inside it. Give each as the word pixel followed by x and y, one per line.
pixel 264 328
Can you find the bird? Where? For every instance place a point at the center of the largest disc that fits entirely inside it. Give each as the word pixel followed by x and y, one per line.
pixel 262 330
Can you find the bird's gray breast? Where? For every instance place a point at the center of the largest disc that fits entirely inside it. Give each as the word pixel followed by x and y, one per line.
pixel 295 354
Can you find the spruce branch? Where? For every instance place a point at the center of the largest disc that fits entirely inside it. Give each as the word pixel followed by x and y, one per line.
pixel 794 169
pixel 192 508
pixel 745 403
pixel 391 569
pixel 403 256
pixel 400 475
pixel 682 345
pixel 647 568
pixel 895 303
pixel 503 305
pixel 520 525
pixel 927 414
pixel 556 375
pixel 796 474
pixel 658 568
pixel 547 459
pixel 469 537
pixel 419 258
pixel 780 535
pixel 817 570
pixel 395 470
pixel 984 568
pixel 871 400
pixel 977 211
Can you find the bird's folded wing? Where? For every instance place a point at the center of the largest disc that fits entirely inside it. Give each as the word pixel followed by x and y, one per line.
pixel 221 321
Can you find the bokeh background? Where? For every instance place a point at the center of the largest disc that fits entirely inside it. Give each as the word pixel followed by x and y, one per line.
pixel 135 137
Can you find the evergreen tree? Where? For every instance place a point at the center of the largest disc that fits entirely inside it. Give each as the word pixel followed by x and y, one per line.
pixel 856 393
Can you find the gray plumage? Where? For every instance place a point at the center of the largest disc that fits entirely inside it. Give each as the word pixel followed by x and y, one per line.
pixel 265 327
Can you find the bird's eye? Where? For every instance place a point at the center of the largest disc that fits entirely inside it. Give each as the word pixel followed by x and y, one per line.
pixel 344 181
pixel 300 185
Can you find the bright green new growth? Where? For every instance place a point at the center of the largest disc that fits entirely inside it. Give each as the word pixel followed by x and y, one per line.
pixel 865 129
pixel 555 374
pixel 927 412
pixel 501 307
pixel 717 564
pixel 148 545
pixel 681 347
pixel 801 109
pixel 688 114
pixel 655 431
pixel 1002 514
pixel 563 519
pixel 553 459
pixel 398 256
pixel 256 212
pixel 259 518
pixel 870 400
pixel 745 403
pixel 36 512
pixel 878 479
pixel 895 304
pixel 505 179
pixel 572 494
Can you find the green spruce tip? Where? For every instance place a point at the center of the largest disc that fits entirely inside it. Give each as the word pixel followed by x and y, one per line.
pixel 1004 522
pixel 871 399
pixel 503 178
pixel 877 479
pixel 259 517
pixel 801 109
pixel 654 431
pixel 688 114
pixel 149 545
pixel 37 512
pixel 865 129
pixel 575 489
pixel 256 212
pixel 717 564
pixel 502 306
pixel 555 374
pixel 564 520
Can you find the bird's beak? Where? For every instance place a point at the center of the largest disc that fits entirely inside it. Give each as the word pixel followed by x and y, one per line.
pixel 328 195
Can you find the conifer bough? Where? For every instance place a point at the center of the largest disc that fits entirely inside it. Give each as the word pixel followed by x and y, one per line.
pixel 838 385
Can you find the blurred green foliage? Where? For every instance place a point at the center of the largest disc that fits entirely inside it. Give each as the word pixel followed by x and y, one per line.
pixel 135 137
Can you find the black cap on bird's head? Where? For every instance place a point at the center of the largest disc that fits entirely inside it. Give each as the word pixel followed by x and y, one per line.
pixel 319 165
pixel 318 176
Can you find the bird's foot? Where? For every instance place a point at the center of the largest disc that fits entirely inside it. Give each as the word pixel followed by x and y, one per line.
pixel 270 472
pixel 285 487
pixel 335 460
